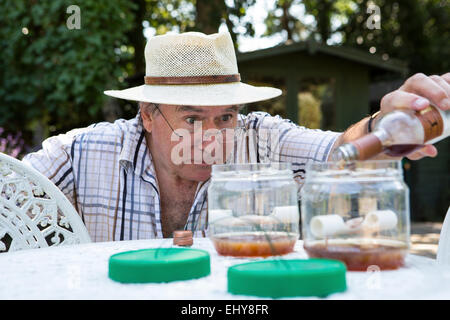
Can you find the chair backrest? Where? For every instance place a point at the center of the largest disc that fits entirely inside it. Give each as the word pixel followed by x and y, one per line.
pixel 34 213
pixel 443 253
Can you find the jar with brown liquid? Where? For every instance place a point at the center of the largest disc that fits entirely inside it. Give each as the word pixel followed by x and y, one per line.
pixel 356 212
pixel 253 209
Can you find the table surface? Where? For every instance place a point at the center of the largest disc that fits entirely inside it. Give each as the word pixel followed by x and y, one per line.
pixel 81 272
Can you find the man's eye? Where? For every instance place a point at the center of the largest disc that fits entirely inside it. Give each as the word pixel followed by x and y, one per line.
pixel 190 120
pixel 227 117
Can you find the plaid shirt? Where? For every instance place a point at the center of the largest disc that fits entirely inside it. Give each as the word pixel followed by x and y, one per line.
pixel 106 171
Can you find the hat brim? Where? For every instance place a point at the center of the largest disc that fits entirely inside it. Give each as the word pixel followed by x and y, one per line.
pixel 234 93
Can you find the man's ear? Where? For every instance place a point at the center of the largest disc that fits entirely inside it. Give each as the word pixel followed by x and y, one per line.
pixel 147 117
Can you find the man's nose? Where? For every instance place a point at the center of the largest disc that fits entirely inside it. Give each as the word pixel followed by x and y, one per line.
pixel 209 125
pixel 209 133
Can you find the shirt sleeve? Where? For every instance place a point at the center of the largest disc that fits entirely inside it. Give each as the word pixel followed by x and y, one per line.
pixel 54 161
pixel 281 140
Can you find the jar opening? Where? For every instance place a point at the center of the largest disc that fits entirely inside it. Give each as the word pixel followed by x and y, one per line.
pixel 355 169
pixel 272 168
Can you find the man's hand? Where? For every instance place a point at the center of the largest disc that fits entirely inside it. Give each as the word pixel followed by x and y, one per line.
pixel 416 93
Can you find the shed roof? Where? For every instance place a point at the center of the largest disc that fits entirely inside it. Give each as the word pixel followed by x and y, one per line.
pixel 373 61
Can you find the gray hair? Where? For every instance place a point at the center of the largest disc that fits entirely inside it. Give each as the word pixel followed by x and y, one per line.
pixel 148 107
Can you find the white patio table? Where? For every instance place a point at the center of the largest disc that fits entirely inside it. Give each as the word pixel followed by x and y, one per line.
pixel 81 272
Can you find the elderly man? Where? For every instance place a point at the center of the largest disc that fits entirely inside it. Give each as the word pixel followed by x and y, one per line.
pixel 148 176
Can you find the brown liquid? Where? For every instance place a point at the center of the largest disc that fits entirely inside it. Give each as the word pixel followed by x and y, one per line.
pixel 254 244
pixel 400 150
pixel 359 256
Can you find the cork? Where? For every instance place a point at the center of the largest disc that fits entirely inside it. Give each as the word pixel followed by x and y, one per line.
pixel 183 238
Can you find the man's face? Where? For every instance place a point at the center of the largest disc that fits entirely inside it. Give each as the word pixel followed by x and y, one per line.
pixel 197 142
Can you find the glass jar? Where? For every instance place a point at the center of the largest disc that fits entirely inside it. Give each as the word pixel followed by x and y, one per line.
pixel 357 212
pixel 253 209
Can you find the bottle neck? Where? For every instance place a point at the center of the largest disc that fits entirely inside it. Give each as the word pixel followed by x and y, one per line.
pixel 363 148
pixel 369 145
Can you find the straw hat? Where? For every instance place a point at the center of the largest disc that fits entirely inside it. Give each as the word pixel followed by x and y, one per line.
pixel 193 68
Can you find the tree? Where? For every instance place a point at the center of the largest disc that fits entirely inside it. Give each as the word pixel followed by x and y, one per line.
pixel 210 14
pixel 416 31
pixel 280 20
pixel 53 77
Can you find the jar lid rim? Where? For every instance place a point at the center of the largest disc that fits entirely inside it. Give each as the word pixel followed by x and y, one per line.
pixel 355 165
pixel 252 168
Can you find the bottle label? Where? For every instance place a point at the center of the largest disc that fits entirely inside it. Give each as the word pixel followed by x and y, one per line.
pixel 432 122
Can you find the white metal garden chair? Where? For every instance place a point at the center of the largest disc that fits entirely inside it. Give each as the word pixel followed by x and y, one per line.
pixel 443 253
pixel 34 213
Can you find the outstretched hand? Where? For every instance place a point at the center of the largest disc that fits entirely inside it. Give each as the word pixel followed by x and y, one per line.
pixel 417 93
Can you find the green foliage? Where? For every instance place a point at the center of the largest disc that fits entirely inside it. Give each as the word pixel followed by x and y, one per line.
pixel 198 15
pixel 309 112
pixel 280 19
pixel 322 10
pixel 417 31
pixel 54 77
pixel 235 16
pixel 168 15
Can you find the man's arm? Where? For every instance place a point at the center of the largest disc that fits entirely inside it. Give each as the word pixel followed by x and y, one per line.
pixel 416 93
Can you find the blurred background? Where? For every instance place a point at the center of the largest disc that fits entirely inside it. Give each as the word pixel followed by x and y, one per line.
pixel 334 61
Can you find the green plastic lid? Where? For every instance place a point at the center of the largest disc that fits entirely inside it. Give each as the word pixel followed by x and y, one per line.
pixel 287 278
pixel 159 265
